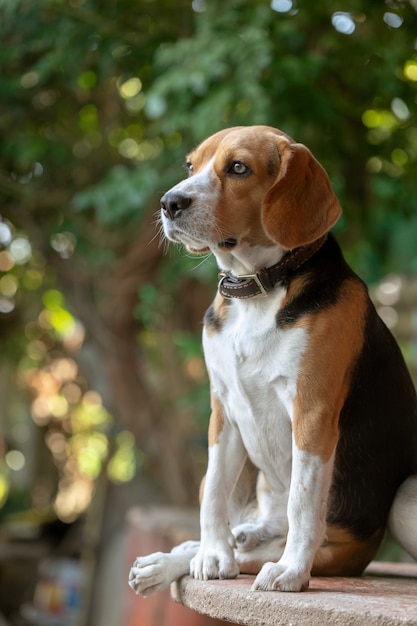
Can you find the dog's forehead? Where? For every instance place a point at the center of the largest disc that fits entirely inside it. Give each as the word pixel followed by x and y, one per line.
pixel 251 139
pixel 207 148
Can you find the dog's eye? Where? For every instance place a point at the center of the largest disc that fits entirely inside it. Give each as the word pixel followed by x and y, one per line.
pixel 189 168
pixel 238 168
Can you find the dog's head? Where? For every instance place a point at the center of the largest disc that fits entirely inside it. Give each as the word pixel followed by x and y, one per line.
pixel 249 185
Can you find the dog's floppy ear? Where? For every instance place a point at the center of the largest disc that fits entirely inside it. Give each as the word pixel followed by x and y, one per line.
pixel 301 204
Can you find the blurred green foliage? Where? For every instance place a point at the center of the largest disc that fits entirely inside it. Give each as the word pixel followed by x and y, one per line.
pixel 101 100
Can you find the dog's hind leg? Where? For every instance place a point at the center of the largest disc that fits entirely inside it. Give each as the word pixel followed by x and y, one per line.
pixel 157 571
pixel 269 518
pixel 251 561
pixel 402 522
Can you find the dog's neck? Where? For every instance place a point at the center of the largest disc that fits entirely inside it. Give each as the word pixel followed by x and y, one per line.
pixel 246 259
pixel 260 281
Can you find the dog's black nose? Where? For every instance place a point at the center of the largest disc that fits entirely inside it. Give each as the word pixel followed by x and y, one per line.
pixel 173 202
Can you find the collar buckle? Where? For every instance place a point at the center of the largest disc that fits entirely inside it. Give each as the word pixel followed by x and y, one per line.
pixel 243 286
pixel 256 277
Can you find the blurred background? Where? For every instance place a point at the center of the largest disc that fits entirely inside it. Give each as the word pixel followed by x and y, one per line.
pixel 104 395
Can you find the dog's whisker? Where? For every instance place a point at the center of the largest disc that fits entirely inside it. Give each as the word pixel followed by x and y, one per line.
pixel 204 259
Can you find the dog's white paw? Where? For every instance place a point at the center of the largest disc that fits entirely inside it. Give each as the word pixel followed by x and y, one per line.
pixel 250 535
pixel 152 573
pixel 276 576
pixel 247 536
pixel 214 563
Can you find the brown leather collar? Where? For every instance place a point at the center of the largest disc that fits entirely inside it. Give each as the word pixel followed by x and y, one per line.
pixel 261 282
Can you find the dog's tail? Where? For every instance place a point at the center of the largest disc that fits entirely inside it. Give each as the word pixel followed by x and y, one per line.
pixel 402 521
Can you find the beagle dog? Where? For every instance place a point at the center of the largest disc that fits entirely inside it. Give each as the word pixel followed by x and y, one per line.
pixel 313 426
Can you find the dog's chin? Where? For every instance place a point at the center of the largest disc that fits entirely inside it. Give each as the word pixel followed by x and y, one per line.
pixel 191 244
pixel 194 246
pixel 197 250
pixel 226 245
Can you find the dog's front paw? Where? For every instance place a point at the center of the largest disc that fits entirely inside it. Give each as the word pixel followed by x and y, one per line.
pixel 214 563
pixel 276 576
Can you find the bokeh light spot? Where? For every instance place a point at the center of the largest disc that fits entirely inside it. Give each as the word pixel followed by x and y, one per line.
pixel 21 250
pixel 343 22
pixel 281 6
pixel 393 20
pixel 130 88
pixel 15 460
pixel 410 70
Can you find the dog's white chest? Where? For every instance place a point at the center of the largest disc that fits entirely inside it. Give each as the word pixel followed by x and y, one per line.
pixel 254 368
